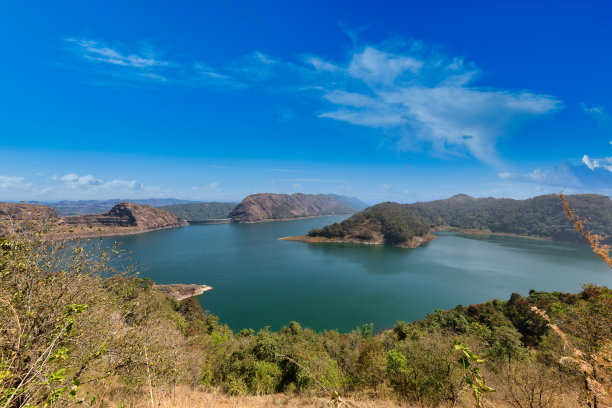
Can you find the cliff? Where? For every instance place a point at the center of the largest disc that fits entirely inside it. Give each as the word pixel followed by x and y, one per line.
pixel 267 206
pixel 123 218
pixel 15 216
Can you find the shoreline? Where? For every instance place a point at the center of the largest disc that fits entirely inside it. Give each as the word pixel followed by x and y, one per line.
pixel 290 219
pixel 99 233
pixel 483 232
pixel 414 243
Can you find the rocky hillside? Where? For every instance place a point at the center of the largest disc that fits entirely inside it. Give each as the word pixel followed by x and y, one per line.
pixel 267 206
pixel 541 217
pixel 131 217
pixel 14 216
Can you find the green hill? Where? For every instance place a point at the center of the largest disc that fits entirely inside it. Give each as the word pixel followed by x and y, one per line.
pixel 201 211
pixel 541 216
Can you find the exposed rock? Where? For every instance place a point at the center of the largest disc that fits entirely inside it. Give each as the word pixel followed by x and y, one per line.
pixel 268 206
pixel 179 291
pixel 128 214
pixel 14 216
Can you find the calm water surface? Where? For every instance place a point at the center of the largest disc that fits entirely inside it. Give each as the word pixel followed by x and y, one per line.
pixel 260 281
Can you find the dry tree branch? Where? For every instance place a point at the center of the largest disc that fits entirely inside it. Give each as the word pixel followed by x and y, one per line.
pixel 594 240
pixel 596 389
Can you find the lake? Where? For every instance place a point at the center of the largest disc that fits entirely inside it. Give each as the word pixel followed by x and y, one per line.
pixel 261 281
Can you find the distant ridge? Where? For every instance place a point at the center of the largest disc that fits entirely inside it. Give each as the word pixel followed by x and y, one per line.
pixel 81 207
pixel 201 211
pixel 269 206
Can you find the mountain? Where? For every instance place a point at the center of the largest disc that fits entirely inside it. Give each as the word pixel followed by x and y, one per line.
pixel 541 217
pixel 201 211
pixel 123 218
pixel 268 206
pixel 14 216
pixel 80 207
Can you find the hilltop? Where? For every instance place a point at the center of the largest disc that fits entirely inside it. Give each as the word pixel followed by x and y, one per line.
pixel 268 206
pixel 538 217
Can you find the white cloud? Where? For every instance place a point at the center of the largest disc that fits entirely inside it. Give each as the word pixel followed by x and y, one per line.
pixel 598 112
pixel 426 96
pixel 13 182
pixel 587 175
pixel 605 163
pixel 378 67
pixel 74 180
pixel 420 97
pixel 95 51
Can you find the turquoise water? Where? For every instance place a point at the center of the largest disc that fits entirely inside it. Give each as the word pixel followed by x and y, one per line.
pixel 260 281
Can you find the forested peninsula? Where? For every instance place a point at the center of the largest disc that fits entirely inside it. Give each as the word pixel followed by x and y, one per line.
pixel 410 225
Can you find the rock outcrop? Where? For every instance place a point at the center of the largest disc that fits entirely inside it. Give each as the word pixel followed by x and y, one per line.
pixel 179 291
pixel 14 216
pixel 268 206
pixel 135 217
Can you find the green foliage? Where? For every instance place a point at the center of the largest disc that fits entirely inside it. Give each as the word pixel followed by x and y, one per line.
pixel 88 326
pixel 472 373
pixel 395 222
pixel 200 211
pixel 541 216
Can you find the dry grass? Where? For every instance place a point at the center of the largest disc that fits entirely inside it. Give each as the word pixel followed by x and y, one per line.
pixel 186 396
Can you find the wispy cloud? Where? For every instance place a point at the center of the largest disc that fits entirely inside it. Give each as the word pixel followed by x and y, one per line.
pixel 597 112
pixel 585 175
pixel 410 92
pixel 13 182
pixel 138 64
pixel 95 51
pixel 427 97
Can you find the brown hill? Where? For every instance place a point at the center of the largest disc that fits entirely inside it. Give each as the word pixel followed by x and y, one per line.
pixel 268 206
pixel 124 218
pixel 14 216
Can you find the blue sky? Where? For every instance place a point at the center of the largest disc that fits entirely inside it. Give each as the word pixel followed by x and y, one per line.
pixel 403 101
